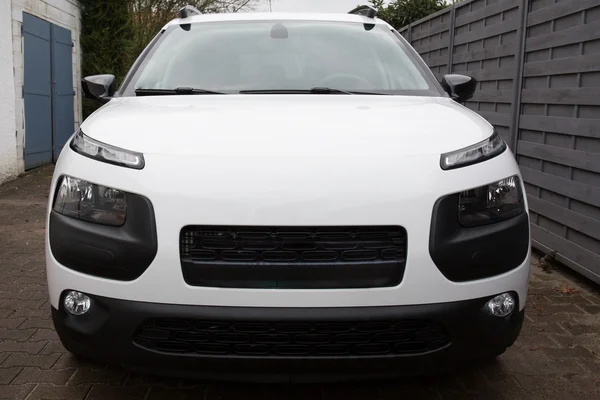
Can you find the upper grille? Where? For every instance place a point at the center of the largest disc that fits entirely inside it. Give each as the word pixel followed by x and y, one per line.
pixel 293 257
pixel 292 339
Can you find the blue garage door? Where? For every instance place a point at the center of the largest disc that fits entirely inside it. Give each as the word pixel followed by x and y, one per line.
pixel 62 93
pixel 47 90
pixel 37 91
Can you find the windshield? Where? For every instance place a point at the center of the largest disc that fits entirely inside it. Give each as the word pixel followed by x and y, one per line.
pixel 246 56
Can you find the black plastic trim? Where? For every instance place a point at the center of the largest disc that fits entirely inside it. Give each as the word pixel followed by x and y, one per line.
pixel 334 270
pixel 366 11
pixel 106 334
pixel 299 339
pixel 120 253
pixel 466 254
pixel 294 276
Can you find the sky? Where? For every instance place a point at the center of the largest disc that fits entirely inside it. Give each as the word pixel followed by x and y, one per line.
pixel 313 5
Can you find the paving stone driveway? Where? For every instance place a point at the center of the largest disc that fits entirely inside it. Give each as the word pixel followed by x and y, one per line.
pixel 556 357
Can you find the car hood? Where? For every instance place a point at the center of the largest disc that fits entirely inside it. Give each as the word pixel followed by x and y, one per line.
pixel 315 125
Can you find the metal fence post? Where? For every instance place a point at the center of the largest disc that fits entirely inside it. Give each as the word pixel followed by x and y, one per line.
pixel 518 84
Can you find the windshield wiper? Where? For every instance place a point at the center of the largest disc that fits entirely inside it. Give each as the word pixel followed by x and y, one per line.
pixel 176 91
pixel 315 90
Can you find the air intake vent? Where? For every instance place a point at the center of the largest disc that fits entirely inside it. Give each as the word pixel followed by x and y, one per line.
pixel 297 339
pixel 293 257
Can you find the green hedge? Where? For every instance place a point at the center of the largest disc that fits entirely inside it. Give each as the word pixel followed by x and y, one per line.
pixel 106 41
pixel 399 13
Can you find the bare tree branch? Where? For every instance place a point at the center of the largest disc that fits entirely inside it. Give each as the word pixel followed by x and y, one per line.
pixel 149 16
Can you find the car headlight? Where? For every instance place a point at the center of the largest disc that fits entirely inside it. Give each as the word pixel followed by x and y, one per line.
pixel 106 153
pixel 491 203
pixel 489 148
pixel 86 201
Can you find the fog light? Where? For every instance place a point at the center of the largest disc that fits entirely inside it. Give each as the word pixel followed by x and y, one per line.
pixel 77 303
pixel 501 305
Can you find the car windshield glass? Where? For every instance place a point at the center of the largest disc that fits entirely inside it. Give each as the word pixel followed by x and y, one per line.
pixel 255 56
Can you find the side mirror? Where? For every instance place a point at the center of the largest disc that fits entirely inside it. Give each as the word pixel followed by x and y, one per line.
pixel 460 87
pixel 99 87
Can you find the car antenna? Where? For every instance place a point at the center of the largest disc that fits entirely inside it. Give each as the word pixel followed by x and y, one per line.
pixel 188 11
pixel 365 10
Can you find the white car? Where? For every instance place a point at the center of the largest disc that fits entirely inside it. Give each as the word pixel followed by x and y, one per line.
pixel 286 196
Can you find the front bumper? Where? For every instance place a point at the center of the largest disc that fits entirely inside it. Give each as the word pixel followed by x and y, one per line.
pixel 107 334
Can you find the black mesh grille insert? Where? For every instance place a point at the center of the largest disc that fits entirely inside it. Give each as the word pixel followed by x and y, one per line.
pixel 293 257
pixel 298 339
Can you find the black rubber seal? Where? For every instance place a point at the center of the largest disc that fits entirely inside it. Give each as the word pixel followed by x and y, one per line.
pixel 120 253
pixel 466 254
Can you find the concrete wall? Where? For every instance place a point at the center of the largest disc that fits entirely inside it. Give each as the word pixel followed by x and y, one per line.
pixel 8 144
pixel 63 13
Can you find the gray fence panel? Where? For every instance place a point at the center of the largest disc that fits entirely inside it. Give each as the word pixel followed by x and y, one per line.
pixel 538 67
pixel 487 46
pixel 431 38
pixel 559 129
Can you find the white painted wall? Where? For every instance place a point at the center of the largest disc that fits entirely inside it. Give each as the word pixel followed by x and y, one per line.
pixel 63 13
pixel 8 149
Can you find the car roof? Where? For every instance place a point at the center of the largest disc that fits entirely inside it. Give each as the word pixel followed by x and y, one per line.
pixel 272 16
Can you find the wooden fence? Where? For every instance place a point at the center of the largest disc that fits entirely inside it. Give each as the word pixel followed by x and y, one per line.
pixel 538 67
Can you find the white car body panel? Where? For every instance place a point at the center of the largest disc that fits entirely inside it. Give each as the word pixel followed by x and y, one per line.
pixel 288 160
pixel 287 125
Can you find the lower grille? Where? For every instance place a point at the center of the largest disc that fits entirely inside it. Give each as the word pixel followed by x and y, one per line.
pixel 293 257
pixel 291 339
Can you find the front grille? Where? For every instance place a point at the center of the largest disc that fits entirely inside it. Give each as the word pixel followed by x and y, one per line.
pixel 291 339
pixel 293 257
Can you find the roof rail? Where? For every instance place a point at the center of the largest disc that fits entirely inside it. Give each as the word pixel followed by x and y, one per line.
pixel 188 11
pixel 367 11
